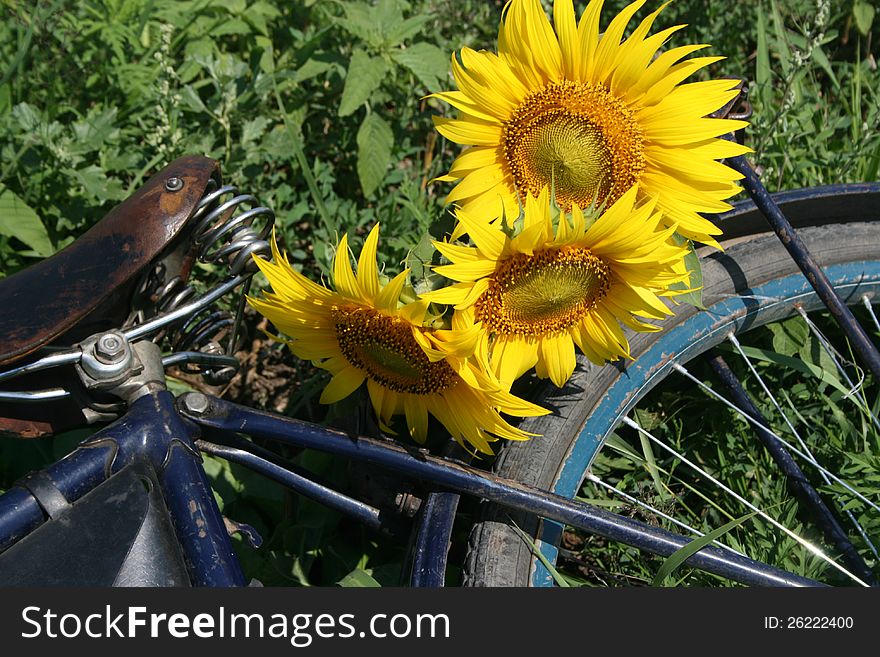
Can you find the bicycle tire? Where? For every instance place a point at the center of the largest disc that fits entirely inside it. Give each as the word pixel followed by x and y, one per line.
pixel 591 405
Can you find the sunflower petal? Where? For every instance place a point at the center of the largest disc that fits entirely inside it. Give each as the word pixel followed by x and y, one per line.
pixel 343 277
pixel 342 385
pixel 367 274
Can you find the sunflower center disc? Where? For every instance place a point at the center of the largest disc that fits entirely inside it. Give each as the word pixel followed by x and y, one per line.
pixel 577 137
pixel 543 293
pixel 383 347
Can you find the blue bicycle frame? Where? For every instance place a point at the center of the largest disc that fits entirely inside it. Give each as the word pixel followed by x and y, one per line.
pixel 165 434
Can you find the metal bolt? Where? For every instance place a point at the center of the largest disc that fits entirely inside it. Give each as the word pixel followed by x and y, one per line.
pixel 196 402
pixel 408 504
pixel 110 348
pixel 174 184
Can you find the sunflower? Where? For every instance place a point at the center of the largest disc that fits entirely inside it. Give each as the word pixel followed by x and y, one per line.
pixel 361 332
pixel 536 295
pixel 590 114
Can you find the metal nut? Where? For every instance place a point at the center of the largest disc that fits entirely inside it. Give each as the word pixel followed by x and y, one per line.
pixel 174 184
pixel 196 402
pixel 110 348
pixel 106 360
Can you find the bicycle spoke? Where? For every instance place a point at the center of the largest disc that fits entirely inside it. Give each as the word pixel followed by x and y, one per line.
pixel 799 539
pixel 673 477
pixel 803 490
pixel 634 500
pixel 856 388
pixel 849 514
pixel 678 368
pixel 867 303
pixel 732 339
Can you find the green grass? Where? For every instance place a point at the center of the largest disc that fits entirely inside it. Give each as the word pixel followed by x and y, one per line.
pixel 318 109
pixel 836 425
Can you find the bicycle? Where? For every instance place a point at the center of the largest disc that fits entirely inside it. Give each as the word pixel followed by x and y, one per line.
pixel 91 349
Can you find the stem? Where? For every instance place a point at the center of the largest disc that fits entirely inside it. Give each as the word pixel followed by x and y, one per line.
pixel 300 155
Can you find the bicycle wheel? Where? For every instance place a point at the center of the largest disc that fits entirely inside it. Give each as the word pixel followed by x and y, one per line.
pixel 752 283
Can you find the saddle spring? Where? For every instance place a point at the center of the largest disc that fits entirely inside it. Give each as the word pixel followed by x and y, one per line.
pixel 230 229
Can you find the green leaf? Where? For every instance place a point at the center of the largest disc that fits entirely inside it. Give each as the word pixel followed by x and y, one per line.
pixel 5 98
pixel 557 576
pixel 694 295
pixel 252 130
pixel 419 258
pixel 257 14
pixel 796 364
pixel 97 128
pixel 780 35
pixel 358 578
pixel 863 13
pixel 18 220
pixel 651 465
pixel 821 59
pixel 426 61
pixel 96 185
pixel 364 75
pixel 374 140
pixel 674 560
pixel 27 117
pixel 192 100
pixel 231 26
pixel 387 14
pixel 762 51
pixel 310 69
pixel 360 21
pixel 789 336
pixel 402 31
pixel 233 6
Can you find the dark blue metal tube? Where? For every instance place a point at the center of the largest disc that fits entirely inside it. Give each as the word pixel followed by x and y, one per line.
pixel 455 476
pixel 806 494
pixel 19 515
pixel 361 512
pixel 432 540
pixel 153 429
pixel 84 468
pixel 74 476
pixel 801 255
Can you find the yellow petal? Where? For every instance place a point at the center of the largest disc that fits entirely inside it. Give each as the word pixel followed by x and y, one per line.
pixel 558 356
pixel 467 271
pixel 367 274
pixel 342 385
pixel 566 29
pixel 416 417
pixel 470 132
pixel 390 294
pixel 343 277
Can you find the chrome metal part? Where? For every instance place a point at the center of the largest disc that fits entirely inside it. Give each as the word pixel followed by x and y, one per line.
pixel 94 417
pixel 149 378
pixel 110 348
pixel 224 237
pixel 195 402
pixel 174 184
pixel 53 360
pixel 107 360
pixel 28 396
pixel 229 230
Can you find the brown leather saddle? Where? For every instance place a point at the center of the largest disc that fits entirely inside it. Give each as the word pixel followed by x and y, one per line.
pixel 88 286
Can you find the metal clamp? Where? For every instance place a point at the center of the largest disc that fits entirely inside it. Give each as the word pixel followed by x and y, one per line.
pixel 45 492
